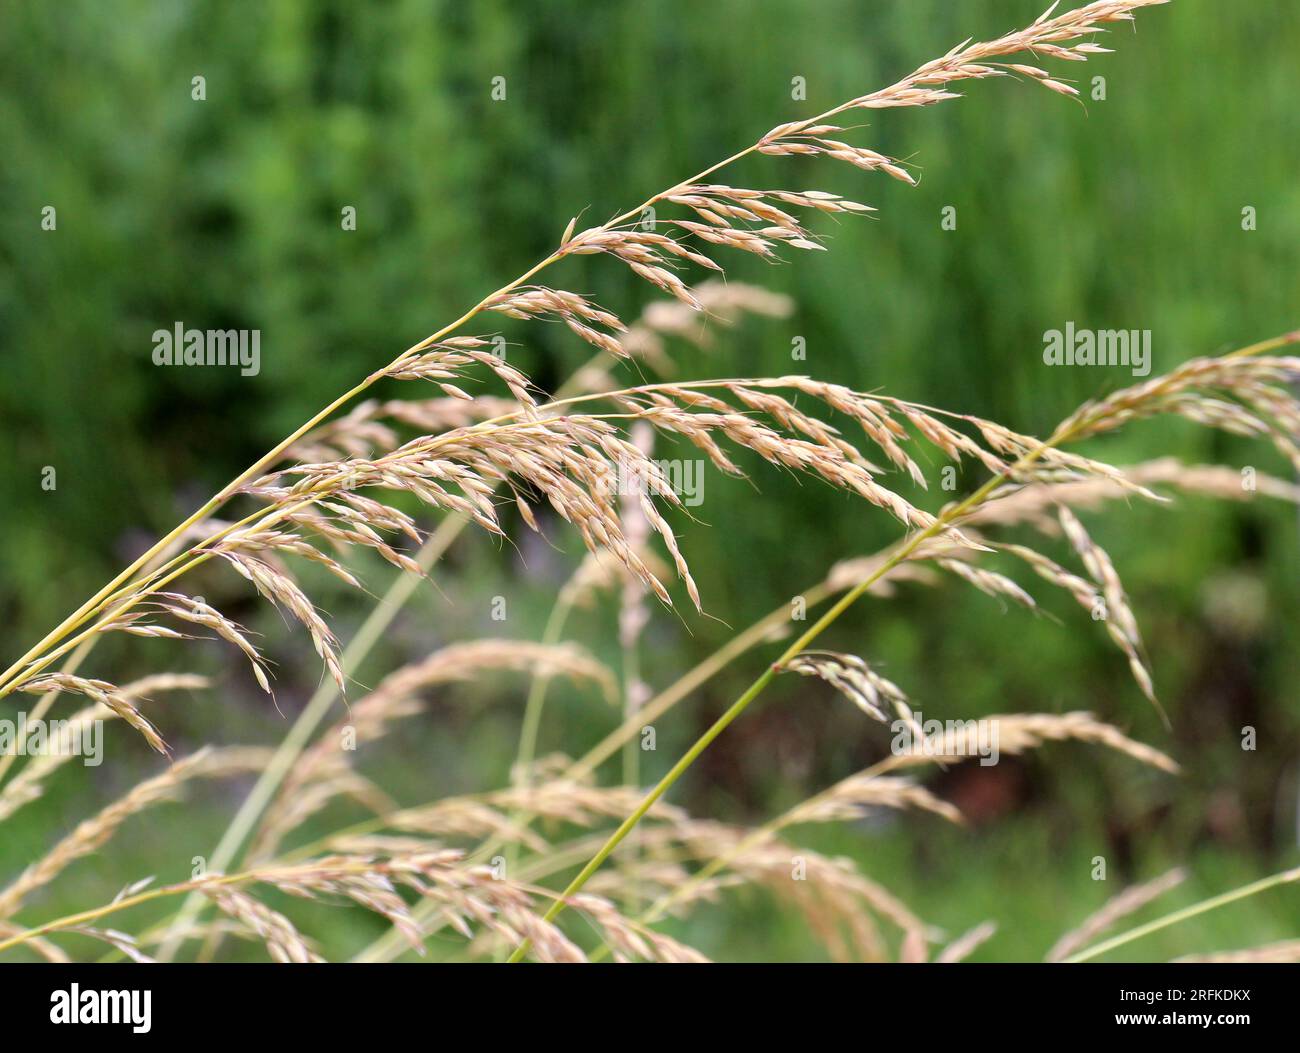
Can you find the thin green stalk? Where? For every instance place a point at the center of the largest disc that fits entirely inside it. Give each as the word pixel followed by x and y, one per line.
pixel 1173 918
pixel 626 827
pixel 631 714
pixel 689 682
pixel 631 747
pixel 95 913
pixel 526 752
pixel 193 886
pixel 163 576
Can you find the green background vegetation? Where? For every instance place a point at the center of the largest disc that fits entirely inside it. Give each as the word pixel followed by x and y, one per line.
pixel 1123 213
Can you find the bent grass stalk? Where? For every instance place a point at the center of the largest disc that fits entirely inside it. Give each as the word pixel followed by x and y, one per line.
pixel 96 602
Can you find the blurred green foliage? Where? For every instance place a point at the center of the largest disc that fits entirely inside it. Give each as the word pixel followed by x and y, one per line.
pixel 1122 213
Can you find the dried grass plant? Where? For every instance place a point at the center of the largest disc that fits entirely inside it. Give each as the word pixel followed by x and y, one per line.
pixel 488 461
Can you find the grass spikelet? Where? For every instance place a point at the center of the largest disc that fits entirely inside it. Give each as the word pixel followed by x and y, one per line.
pixel 854 679
pixel 103 693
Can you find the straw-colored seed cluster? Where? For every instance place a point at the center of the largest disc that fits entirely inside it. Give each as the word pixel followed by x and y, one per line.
pixel 879 698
